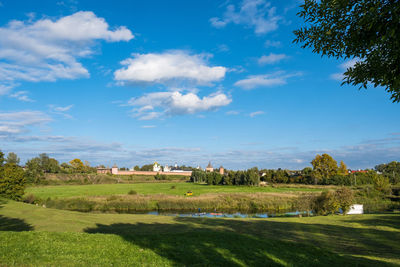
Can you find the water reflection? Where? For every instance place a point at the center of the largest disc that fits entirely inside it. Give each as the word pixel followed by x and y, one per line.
pixel 232 215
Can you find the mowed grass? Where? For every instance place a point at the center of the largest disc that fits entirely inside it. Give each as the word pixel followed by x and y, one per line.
pixel 32 235
pixel 62 191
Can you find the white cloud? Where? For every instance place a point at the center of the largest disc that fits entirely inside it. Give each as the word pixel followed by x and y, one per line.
pixel 19 122
pixel 223 48
pixel 22 96
pixel 60 110
pixel 47 50
pixel 156 105
pixel 256 113
pixel 257 14
pixel 5 89
pixel 270 43
pixel 344 66
pixel 148 126
pixel 167 67
pixel 271 58
pixel 232 112
pixel 265 80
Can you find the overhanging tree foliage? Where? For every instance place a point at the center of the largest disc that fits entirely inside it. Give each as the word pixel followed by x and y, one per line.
pixel 368 31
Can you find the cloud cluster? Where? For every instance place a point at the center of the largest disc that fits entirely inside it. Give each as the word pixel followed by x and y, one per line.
pixel 47 50
pixel 14 123
pixel 271 58
pixel 257 14
pixel 60 110
pixel 265 80
pixel 22 96
pixel 256 113
pixel 270 43
pixel 157 105
pixel 168 67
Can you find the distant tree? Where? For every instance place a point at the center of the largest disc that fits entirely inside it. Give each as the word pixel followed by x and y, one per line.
pixel 213 178
pixel 136 168
pixel 342 168
pixel 77 164
pixel 34 170
pixel 280 176
pixel 324 167
pixel 12 181
pixel 1 158
pixel 307 175
pixel 390 170
pixel 12 158
pixel 381 183
pixel 66 168
pixel 148 167
pixel 44 161
pixel 252 177
pixel 53 166
pixel 198 176
pixel 364 30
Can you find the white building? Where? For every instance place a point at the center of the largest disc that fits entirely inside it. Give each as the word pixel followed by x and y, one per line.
pixel 156 167
pixel 167 168
pixel 114 169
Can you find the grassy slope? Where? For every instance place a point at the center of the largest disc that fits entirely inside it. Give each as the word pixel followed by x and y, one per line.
pixel 70 238
pixel 151 188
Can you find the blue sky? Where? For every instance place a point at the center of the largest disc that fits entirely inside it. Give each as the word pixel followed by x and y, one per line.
pixel 132 82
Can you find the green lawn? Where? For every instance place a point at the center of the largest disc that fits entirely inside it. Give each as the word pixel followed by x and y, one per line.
pixel 151 188
pixel 33 235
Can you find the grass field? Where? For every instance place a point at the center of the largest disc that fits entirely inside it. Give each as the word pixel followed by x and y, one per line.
pixel 32 235
pixel 62 191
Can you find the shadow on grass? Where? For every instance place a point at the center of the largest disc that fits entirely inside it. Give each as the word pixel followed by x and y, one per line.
pixel 193 241
pixel 392 221
pixel 12 224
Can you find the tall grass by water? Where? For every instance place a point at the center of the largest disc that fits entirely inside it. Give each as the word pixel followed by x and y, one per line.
pixel 256 202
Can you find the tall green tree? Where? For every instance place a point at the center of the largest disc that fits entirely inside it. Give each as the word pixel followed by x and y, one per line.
pixel 367 31
pixel 12 158
pixel 342 168
pixel 324 167
pixel 34 170
pixel 1 158
pixel 12 181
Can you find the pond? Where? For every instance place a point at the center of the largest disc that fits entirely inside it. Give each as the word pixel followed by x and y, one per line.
pixel 232 215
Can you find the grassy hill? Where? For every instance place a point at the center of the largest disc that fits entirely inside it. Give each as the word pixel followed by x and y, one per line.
pixel 33 235
pixel 154 188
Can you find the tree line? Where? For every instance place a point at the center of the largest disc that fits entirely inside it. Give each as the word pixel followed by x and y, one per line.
pixel 13 177
pixel 248 177
pixel 324 171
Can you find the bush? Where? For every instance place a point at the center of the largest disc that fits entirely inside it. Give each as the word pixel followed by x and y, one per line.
pixel 331 202
pixel 173 187
pixel 31 199
pixel 132 192
pixel 160 176
pixel 12 181
pixel 382 184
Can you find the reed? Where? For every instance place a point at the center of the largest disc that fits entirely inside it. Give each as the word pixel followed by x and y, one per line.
pixel 257 202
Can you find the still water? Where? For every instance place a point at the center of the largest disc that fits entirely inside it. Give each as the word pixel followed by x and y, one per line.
pixel 231 215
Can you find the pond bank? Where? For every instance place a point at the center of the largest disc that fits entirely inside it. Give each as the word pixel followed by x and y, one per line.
pixel 229 203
